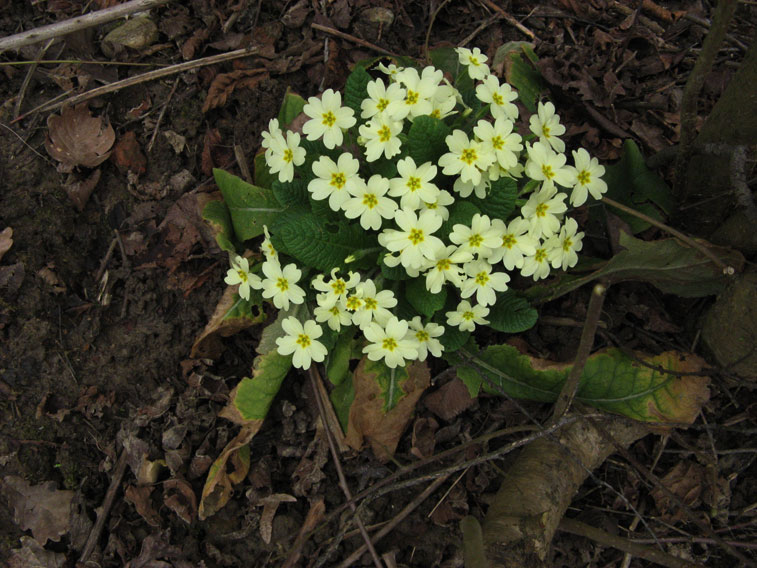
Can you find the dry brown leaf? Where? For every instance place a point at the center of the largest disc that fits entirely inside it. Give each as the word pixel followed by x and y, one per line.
pixel 225 84
pixel 686 481
pixel 43 509
pixel 6 241
pixel 128 155
pixel 181 499
pixel 449 400
pixel 76 138
pixel 31 554
pixel 80 190
pixel 270 505
pixel 140 498
pixel 367 416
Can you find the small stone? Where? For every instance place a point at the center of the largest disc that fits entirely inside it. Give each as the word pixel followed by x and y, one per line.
pixel 136 33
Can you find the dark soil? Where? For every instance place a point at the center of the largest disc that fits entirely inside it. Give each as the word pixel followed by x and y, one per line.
pixel 102 307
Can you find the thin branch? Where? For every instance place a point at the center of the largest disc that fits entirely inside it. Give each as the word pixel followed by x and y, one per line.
pixel 352 38
pixel 65 27
pixel 149 76
pixel 728 270
pixel 314 379
pixel 569 389
pixel 573 526
pixel 723 14
pixel 160 116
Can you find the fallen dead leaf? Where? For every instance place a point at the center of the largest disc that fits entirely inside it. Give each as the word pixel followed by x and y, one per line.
pixel 128 155
pixel 686 481
pixel 140 498
pixel 368 420
pixel 43 508
pixel 423 441
pixel 48 275
pixel 270 505
pixel 76 138
pixel 449 400
pixel 179 496
pixel 225 84
pixel 80 190
pixel 6 241
pixel 32 555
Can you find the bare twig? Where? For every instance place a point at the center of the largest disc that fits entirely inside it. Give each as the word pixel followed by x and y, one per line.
pixel 314 379
pixel 409 508
pixel 728 270
pixel 723 14
pixel 573 526
pixel 28 78
pixel 160 116
pixel 511 20
pixel 104 511
pixel 149 76
pixel 352 38
pixel 569 389
pixel 60 29
pixel 432 19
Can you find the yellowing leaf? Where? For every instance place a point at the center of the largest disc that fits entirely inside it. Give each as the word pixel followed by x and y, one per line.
pixel 368 416
pixel 648 388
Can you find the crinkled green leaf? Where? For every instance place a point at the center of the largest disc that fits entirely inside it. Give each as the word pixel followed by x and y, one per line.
pixel 338 362
pixel 356 89
pixel 393 272
pixel 251 207
pixel 421 299
pixel 446 59
pixel 341 397
pixel 316 242
pixel 291 107
pixel 668 264
pixel 217 215
pixel 291 194
pixel 425 139
pixel 518 58
pixel 263 176
pixel 611 381
pixel 631 182
pixel 500 198
pixel 254 396
pixel 512 314
pixel 460 213
pixel 389 380
pixel 452 339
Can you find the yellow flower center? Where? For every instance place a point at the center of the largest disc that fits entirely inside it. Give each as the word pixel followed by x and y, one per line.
pixel 370 303
pixel 384 133
pixel 443 264
pixel 468 315
pixel 413 183
pixel 547 171
pixel 382 104
pixel 433 205
pixel 469 156
pixel 498 143
pixel 498 99
pixel 288 155
pixel 482 278
pixel 282 284
pixel 474 241
pixel 567 245
pixel 242 275
pixel 334 310
pixel 421 335
pixel 303 340
pixel 328 119
pixel 353 303
pixel 541 255
pixel 370 200
pixel 474 61
pixel 338 286
pixel 541 210
pixel 508 241
pixel 584 177
pixel 416 236
pixel 338 180
pixel 545 130
pixel 389 344
pixel 412 97
pixel 436 113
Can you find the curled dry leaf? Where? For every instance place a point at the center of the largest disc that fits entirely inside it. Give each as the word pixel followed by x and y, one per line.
pixel 43 509
pixel 76 138
pixel 80 190
pixel 225 83
pixel 6 240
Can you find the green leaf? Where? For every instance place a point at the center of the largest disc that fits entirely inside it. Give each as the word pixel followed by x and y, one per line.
pixel 631 182
pixel 316 242
pixel 660 391
pixel 255 395
pixel 393 272
pixel 291 194
pixel 460 212
pixel 338 362
pixel 250 206
pixel 520 72
pixel 389 381
pixel 446 59
pixel 342 397
pixel 291 107
pixel 356 89
pixel 421 299
pixel 512 314
pixel 263 176
pixel 452 339
pixel 217 215
pixel 500 198
pixel 425 140
pixel 667 264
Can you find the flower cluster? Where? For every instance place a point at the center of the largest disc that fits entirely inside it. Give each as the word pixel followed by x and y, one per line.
pixel 407 210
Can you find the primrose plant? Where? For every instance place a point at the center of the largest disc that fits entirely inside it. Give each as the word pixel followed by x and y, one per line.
pixel 404 208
